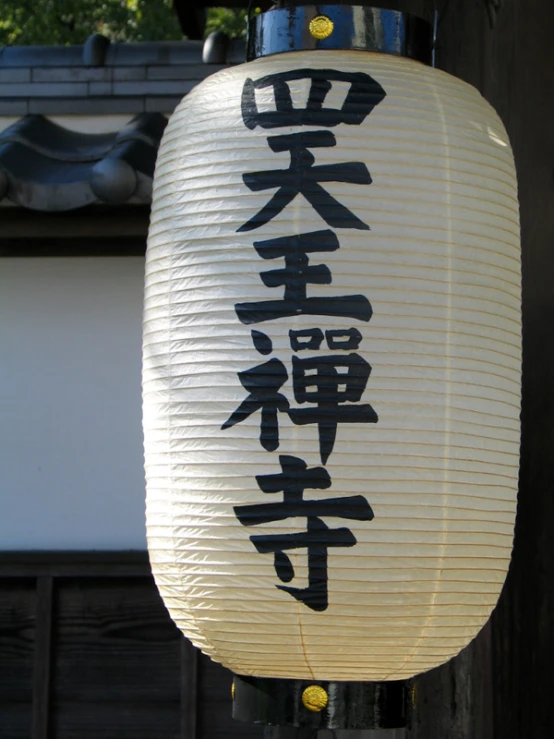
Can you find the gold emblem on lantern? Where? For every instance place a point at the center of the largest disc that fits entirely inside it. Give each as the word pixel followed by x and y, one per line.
pixel 321 27
pixel 315 698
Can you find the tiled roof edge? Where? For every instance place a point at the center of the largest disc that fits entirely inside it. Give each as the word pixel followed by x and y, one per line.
pixel 48 168
pixel 100 78
pixel 98 51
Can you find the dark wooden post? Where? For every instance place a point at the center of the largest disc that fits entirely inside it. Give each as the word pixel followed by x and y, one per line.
pixel 289 733
pixel 521 84
pixel 43 656
pixel 501 686
pixel 277 732
pixel 189 690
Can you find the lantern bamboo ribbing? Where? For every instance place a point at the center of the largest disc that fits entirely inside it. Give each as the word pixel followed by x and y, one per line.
pixel 440 265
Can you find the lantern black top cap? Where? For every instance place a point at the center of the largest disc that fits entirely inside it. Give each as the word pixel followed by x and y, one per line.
pixel 361 28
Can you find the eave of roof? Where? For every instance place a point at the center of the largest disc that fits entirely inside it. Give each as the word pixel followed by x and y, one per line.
pixel 47 167
pixel 100 78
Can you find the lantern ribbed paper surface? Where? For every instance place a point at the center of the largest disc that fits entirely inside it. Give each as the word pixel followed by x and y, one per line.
pixel 398 464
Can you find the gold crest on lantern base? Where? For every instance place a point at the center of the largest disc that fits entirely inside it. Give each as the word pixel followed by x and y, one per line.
pixel 322 705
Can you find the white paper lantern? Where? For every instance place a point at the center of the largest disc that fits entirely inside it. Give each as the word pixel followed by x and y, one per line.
pixel 402 473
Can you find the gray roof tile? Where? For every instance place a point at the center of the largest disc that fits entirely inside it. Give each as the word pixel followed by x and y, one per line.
pixel 129 74
pixel 160 87
pixel 194 72
pixel 165 104
pixel 39 89
pixel 87 106
pixel 15 75
pixel 40 56
pixel 70 74
pixel 101 78
pixel 100 88
pixel 10 107
pixel 49 168
pixel 149 53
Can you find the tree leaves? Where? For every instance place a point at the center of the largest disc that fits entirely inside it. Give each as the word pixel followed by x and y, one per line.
pixel 55 22
pixel 64 22
pixel 232 22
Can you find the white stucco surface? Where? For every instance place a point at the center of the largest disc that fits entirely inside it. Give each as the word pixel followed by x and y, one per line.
pixel 71 465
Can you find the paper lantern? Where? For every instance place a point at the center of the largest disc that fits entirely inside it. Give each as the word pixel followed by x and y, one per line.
pixel 332 366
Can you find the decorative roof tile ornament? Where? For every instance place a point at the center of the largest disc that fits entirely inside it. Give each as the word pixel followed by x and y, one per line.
pixel 46 167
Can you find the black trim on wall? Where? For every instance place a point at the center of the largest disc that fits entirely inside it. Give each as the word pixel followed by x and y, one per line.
pixel 37 564
pixel 87 649
pixel 93 231
pixel 107 246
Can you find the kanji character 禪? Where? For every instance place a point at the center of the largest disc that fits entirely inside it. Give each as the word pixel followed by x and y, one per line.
pixel 332 394
pixel 262 383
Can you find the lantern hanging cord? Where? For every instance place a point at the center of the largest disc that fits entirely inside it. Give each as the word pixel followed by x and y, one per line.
pixel 440 13
pixel 438 16
pixel 493 8
pixel 248 17
pixel 435 34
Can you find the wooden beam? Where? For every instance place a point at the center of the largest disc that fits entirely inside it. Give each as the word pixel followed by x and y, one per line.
pixel 281 732
pixel 43 647
pixel 83 246
pixel 74 564
pixel 285 732
pixel 125 221
pixel 189 690
pixel 94 231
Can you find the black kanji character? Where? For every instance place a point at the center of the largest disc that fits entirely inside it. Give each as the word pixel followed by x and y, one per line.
pixel 297 274
pixel 263 382
pixel 262 342
pixel 303 178
pixel 336 339
pixel 318 537
pixel 313 339
pixel 317 381
pixel 348 339
pixel 364 94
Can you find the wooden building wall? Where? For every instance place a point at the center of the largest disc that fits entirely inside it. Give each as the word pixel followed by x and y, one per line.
pixel 88 651
pixel 501 686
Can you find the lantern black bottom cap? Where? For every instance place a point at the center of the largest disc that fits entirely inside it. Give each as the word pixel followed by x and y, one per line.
pixel 331 705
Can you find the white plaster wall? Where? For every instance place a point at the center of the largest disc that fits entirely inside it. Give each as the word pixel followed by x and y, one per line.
pixel 71 465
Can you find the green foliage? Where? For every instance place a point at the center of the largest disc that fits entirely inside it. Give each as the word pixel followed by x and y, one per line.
pixel 49 22
pixel 232 22
pixel 40 22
